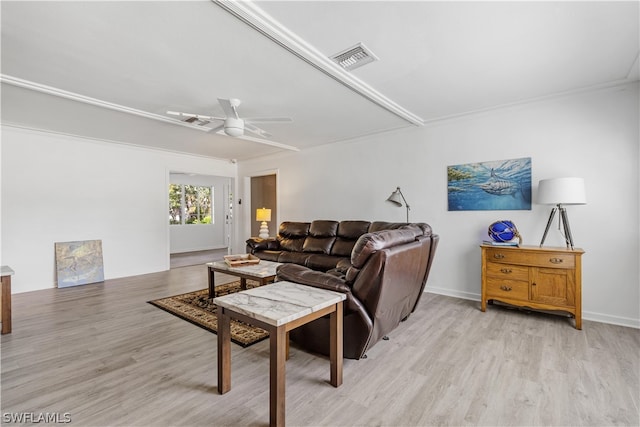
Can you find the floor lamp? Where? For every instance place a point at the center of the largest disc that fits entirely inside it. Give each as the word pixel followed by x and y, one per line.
pixel 561 192
pixel 397 198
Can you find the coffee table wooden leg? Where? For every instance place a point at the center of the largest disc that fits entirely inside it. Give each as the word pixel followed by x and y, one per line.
pixel 243 283
pixel 6 304
pixel 212 283
pixel 335 345
pixel 277 358
pixel 224 351
pixel 287 339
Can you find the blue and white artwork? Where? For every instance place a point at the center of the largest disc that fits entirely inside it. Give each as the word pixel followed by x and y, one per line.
pixel 493 185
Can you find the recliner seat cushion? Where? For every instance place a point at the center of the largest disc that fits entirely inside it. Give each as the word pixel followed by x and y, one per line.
pixel 270 255
pixel 299 258
pixel 324 262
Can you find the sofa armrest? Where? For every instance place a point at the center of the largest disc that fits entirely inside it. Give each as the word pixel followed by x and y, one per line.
pixel 306 276
pixel 258 244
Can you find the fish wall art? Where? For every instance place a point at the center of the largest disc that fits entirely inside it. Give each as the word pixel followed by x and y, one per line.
pixel 492 185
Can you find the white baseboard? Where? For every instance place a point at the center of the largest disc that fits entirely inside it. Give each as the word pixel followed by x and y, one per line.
pixel 586 315
pixel 453 293
pixel 613 320
pixel 197 249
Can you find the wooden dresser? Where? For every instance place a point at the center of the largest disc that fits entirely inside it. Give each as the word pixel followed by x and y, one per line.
pixel 533 277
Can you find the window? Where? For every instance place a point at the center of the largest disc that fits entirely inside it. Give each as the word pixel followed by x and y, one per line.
pixel 190 204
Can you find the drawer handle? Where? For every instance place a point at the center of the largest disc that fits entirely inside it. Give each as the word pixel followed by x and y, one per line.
pixel 506 270
pixel 498 256
pixel 555 260
pixel 505 288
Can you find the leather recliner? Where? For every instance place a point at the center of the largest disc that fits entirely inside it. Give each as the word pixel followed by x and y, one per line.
pixel 383 279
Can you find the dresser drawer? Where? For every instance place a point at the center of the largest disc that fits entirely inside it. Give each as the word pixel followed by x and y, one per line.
pixel 507 271
pixel 514 289
pixel 531 258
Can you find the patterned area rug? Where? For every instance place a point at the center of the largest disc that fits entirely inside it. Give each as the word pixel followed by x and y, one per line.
pixel 195 307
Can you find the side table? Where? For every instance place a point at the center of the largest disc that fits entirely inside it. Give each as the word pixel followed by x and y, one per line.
pixel 279 308
pixel 5 298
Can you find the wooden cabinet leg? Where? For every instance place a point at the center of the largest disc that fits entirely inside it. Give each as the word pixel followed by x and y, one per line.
pixel 6 304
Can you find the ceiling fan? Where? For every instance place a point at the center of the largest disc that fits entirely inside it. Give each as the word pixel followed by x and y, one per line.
pixel 232 124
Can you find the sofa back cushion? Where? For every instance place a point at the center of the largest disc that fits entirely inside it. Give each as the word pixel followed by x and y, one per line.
pixel 384 225
pixel 370 243
pixel 291 235
pixel 347 235
pixel 321 236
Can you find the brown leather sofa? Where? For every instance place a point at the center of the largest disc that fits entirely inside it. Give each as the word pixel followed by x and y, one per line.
pixel 383 275
pixel 319 245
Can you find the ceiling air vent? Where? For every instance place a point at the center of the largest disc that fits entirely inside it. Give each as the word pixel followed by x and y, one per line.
pixel 354 57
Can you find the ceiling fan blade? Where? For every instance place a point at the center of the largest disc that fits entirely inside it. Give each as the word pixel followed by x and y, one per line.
pixel 256 130
pixel 194 116
pixel 217 128
pixel 269 119
pixel 228 108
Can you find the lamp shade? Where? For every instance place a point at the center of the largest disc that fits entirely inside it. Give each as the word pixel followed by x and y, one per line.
pixel 562 191
pixel 395 197
pixel 263 214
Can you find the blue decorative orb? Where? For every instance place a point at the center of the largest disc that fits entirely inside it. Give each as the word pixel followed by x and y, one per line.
pixel 502 231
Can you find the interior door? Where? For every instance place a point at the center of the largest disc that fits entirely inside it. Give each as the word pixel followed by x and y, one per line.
pixel 264 195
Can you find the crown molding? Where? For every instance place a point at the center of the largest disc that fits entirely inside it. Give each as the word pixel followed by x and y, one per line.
pixel 263 141
pixel 252 15
pixel 107 142
pixel 15 81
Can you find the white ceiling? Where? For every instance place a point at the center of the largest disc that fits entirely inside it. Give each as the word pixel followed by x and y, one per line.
pixel 111 70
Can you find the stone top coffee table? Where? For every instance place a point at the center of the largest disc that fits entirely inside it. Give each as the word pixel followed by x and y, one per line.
pixel 264 272
pixel 278 308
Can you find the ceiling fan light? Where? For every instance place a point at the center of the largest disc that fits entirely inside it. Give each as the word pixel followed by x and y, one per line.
pixel 235 132
pixel 234 127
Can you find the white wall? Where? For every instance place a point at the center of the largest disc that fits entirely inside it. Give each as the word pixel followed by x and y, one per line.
pixel 199 237
pixel 58 188
pixel 594 135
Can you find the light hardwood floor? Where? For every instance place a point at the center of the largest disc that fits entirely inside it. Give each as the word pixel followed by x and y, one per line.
pixel 186 259
pixel 104 356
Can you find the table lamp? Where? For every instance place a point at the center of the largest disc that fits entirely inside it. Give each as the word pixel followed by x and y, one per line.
pixel 263 215
pixel 561 192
